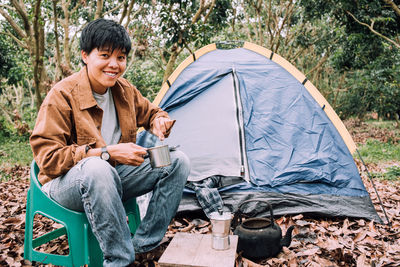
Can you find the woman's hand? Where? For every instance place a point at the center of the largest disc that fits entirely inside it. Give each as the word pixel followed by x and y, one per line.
pixel 127 153
pixel 161 127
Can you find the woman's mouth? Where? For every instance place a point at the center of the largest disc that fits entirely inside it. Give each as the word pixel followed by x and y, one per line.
pixel 111 74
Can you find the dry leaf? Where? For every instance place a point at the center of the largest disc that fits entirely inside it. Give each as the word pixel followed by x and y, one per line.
pixel 324 262
pixel 308 252
pixel 250 263
pixel 293 262
pixel 298 217
pixel 361 260
pixel 12 221
pixel 360 236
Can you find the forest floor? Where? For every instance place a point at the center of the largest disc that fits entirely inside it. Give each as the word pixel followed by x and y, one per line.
pixel 316 241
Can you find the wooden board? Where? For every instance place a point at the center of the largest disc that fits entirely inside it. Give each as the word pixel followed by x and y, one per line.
pixel 194 250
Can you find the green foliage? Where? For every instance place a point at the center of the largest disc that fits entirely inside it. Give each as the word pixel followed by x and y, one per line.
pixel 369 62
pixel 384 124
pixel 18 112
pixel 391 174
pixel 374 88
pixel 146 77
pixel 20 128
pixel 177 27
pixel 14 150
pixel 377 152
pixel 6 61
pixel 12 62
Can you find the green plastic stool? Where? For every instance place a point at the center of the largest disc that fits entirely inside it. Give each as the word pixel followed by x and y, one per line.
pixel 83 246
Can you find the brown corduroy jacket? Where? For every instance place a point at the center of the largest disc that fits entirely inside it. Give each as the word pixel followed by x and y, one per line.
pixel 69 120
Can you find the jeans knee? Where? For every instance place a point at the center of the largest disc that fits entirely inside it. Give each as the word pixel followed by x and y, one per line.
pixel 182 163
pixel 100 174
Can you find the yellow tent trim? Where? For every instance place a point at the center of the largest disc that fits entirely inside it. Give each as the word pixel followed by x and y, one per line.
pixel 337 122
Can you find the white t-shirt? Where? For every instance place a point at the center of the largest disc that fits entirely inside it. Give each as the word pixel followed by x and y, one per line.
pixel 110 129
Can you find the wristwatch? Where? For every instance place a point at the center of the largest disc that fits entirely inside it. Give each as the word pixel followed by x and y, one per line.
pixel 104 153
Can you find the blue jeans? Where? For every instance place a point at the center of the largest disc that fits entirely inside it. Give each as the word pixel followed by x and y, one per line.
pixel 98 189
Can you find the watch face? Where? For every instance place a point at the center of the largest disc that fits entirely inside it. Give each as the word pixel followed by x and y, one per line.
pixel 104 156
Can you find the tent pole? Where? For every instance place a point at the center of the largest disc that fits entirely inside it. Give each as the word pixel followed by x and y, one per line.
pixel 376 191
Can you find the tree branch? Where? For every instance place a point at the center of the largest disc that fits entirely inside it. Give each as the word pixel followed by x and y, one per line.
pixel 75 7
pixel 128 20
pixel 24 15
pixel 99 9
pixel 289 11
pixel 246 14
pixel 371 28
pixel 199 12
pixel 320 63
pixel 393 6
pixel 269 23
pixel 162 57
pixel 123 13
pixel 65 5
pixel 6 114
pixel 112 10
pixel 37 57
pixel 21 44
pixel 212 5
pixel 13 24
pixel 188 48
pixel 6 6
pixel 58 54
pixel 259 24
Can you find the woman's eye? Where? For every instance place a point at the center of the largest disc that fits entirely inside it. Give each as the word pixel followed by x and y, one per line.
pixel 104 55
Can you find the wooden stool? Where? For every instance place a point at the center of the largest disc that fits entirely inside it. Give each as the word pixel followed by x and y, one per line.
pixel 194 250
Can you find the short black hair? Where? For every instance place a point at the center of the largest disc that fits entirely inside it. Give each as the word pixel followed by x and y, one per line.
pixel 101 33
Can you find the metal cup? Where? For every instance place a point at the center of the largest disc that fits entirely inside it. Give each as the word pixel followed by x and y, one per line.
pixel 159 156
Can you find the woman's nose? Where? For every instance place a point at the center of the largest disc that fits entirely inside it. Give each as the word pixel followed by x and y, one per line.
pixel 113 62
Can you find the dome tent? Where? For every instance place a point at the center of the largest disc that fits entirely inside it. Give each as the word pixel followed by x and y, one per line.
pixel 248 115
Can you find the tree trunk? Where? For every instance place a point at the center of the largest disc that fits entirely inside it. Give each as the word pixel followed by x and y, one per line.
pixel 66 67
pixel 58 74
pixel 38 58
pixel 99 9
pixel 171 63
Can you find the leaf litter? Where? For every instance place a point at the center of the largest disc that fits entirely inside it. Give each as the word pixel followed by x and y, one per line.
pixel 316 241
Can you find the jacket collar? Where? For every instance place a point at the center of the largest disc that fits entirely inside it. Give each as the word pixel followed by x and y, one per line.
pixel 86 98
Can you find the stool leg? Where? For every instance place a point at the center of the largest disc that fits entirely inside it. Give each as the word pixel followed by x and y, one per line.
pixel 83 245
pixel 28 228
pixel 133 213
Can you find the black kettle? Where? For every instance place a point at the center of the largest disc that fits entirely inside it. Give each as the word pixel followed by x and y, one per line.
pixel 259 238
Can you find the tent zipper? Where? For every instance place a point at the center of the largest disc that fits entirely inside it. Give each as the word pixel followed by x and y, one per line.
pixel 239 116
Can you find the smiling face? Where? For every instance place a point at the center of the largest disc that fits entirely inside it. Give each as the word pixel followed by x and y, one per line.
pixel 104 66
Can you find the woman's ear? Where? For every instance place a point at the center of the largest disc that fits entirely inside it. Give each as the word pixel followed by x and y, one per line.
pixel 84 56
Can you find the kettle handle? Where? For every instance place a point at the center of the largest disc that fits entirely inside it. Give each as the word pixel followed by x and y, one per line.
pixel 258 200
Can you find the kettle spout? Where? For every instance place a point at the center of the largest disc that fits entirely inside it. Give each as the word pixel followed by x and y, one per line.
pixel 287 239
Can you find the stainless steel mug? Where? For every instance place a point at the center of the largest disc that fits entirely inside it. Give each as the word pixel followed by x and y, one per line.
pixel 159 156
